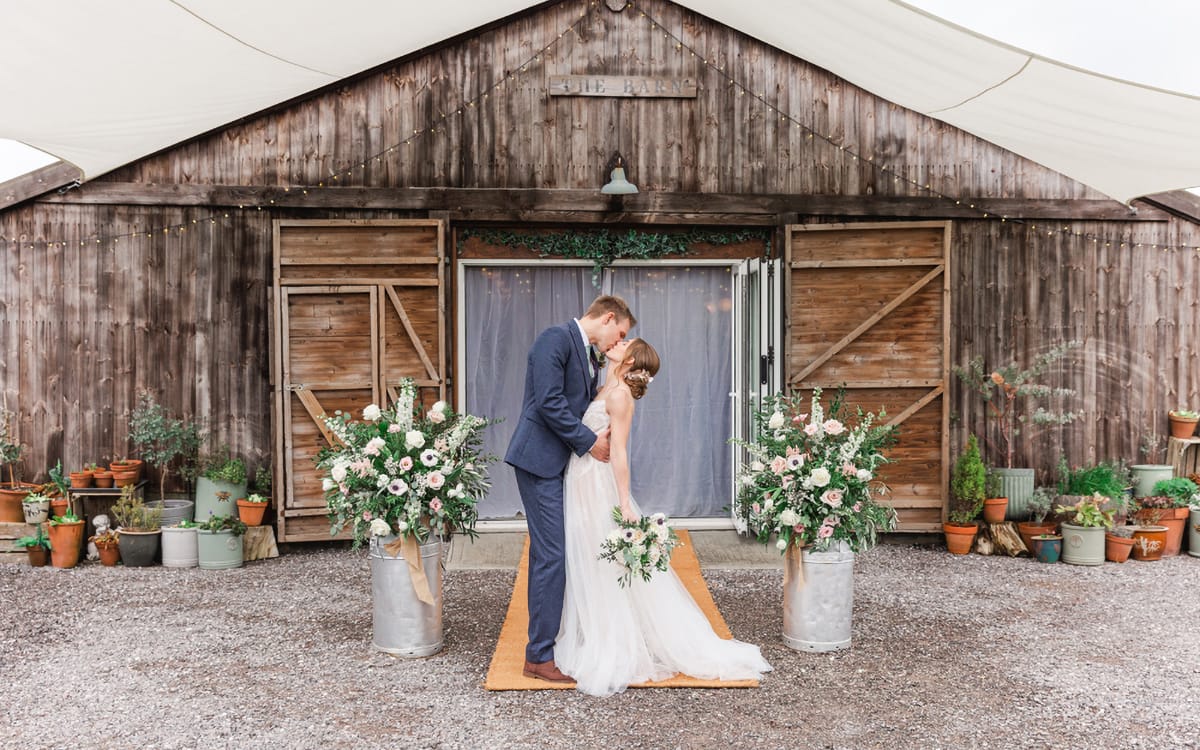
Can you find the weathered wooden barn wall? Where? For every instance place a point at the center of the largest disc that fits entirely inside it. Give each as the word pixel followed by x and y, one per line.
pixel 83 328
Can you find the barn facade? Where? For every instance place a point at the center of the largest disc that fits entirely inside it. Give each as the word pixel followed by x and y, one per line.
pixel 427 218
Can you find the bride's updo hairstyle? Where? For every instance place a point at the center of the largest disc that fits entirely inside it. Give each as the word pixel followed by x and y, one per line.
pixel 642 368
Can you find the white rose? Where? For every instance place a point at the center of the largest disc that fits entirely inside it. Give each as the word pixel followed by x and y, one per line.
pixel 789 518
pixel 372 413
pixel 654 555
pixel 374 446
pixel 757 466
pixel 864 475
pixel 414 439
pixel 781 545
pixel 437 417
pixel 776 421
pixel 379 527
pixel 819 477
pixel 440 407
pixel 436 480
pixel 327 484
pixel 338 472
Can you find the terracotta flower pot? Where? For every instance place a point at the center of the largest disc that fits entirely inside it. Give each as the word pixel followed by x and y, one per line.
pixel 102 478
pixel 1148 542
pixel 110 554
pixel 994 509
pixel 81 479
pixel 1174 519
pixel 124 477
pixel 250 513
pixel 66 541
pixel 125 464
pixel 39 556
pixel 1182 427
pixel 1029 529
pixel 1117 548
pixel 58 506
pixel 11 497
pixel 959 538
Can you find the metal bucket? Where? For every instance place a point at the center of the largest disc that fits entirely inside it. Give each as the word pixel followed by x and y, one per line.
pixel 817 607
pixel 403 624
pixel 1082 545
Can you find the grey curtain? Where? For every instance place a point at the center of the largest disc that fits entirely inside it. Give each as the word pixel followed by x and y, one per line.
pixel 680 457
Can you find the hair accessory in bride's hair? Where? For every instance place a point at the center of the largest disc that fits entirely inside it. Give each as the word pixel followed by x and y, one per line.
pixel 641 376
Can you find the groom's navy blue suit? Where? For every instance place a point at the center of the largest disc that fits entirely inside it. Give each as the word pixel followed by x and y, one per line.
pixel 559 385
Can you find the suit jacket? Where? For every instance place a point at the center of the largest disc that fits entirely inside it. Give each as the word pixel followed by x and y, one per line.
pixel 558 389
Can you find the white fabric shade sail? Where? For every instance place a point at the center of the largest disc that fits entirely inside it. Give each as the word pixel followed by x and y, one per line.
pixel 101 84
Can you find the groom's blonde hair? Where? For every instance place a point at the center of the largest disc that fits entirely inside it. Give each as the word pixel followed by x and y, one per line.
pixel 608 303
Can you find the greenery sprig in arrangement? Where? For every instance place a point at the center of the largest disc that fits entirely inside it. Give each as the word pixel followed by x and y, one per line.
pixel 604 246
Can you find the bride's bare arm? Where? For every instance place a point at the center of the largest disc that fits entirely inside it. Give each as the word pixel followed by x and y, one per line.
pixel 620 411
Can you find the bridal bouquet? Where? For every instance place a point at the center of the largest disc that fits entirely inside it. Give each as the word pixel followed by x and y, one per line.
pixel 400 471
pixel 811 477
pixel 639 548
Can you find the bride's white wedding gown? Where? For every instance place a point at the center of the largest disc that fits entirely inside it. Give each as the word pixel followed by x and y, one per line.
pixel 613 637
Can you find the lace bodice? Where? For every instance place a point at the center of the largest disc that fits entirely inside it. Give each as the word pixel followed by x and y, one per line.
pixel 596 416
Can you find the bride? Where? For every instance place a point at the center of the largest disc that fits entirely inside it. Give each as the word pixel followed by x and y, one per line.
pixel 612 637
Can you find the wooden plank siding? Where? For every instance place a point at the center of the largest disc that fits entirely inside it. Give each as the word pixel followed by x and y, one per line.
pixel 186 315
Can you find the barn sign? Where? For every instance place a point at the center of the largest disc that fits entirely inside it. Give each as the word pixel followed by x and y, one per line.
pixel 627 86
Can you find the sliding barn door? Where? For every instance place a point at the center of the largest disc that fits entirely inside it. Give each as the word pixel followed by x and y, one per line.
pixel 868 308
pixel 358 306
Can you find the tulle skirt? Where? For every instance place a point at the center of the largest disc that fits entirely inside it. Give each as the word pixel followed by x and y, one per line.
pixel 612 637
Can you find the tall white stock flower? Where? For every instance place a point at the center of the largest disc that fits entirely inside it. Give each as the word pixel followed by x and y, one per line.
pixel 414 439
pixel 372 413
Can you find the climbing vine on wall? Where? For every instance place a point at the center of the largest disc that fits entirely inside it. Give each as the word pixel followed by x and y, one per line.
pixel 603 246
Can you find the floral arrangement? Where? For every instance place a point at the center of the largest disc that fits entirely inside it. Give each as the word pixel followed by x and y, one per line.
pixel 402 472
pixel 254 497
pixel 811 478
pixel 640 548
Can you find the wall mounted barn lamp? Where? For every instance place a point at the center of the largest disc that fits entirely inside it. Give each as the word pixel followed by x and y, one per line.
pixel 617 184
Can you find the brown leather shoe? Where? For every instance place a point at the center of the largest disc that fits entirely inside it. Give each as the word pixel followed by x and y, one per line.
pixel 546 670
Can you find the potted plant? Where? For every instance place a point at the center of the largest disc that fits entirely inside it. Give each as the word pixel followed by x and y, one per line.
pixel 967 489
pixel 164 441
pixel 1083 534
pixel 108 545
pixel 1118 543
pixel 219 543
pixel 1145 476
pixel 1183 422
pixel 1169 507
pixel 66 540
pixel 179 545
pixel 223 478
pixel 995 504
pixel 252 507
pixel 1011 394
pixel 406 530
pixel 35 507
pixel 37 547
pixel 1039 505
pixel 12 492
pixel 1107 478
pixel 1047 548
pixel 138 527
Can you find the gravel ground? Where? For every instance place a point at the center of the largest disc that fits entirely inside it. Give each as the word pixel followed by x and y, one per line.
pixel 948 652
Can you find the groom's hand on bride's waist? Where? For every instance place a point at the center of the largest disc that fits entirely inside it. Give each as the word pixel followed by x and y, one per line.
pixel 599 449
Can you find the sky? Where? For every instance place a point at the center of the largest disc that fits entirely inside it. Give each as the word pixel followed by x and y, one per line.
pixel 1149 42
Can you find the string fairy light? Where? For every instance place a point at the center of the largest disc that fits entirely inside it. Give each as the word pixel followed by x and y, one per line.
pixel 530 63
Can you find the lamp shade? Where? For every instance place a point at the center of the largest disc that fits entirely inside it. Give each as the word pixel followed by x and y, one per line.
pixel 618 185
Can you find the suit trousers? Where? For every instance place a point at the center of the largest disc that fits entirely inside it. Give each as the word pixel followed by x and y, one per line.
pixel 543 501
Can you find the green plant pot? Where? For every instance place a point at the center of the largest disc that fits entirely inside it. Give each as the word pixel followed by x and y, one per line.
pixel 1082 545
pixel 1194 531
pixel 208 504
pixel 138 548
pixel 1017 486
pixel 1145 476
pixel 219 550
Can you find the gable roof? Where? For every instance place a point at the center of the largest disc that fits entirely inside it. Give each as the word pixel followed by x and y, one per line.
pixel 100 85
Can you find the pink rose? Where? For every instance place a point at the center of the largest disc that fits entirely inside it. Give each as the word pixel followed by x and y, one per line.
pixel 436 480
pixel 778 464
pixel 825 532
pixel 832 498
pixel 435 505
pixel 798 528
pixel 833 427
pixel 366 515
pixel 857 507
pixel 393 428
pixel 436 417
pixel 787 480
pixel 812 429
pixel 756 508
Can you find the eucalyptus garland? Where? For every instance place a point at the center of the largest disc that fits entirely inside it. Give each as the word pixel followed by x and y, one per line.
pixel 603 246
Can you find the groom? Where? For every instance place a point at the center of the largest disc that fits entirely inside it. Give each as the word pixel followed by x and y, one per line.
pixel 560 381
